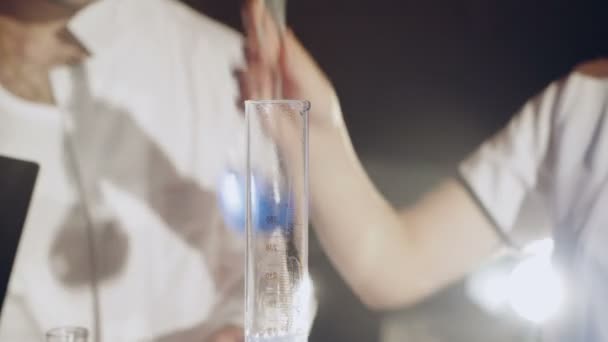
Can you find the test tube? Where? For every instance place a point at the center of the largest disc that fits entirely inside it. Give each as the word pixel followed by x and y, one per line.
pixel 277 9
pixel 277 289
pixel 67 334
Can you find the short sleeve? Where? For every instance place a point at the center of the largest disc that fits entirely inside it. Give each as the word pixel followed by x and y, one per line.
pixel 503 171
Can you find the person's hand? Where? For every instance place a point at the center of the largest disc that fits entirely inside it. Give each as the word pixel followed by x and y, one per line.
pixel 269 52
pixel 227 334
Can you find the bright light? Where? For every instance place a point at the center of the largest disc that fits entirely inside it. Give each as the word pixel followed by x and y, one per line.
pixel 489 288
pixel 536 290
pixel 532 288
pixel 542 247
pixel 231 193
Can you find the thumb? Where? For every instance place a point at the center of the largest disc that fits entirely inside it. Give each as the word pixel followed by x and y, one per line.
pixel 303 79
pixel 298 67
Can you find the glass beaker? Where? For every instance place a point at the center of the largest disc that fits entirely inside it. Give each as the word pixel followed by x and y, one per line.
pixel 67 334
pixel 278 291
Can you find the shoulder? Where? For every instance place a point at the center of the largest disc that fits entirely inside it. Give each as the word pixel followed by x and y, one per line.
pixel 597 69
pixel 585 85
pixel 581 94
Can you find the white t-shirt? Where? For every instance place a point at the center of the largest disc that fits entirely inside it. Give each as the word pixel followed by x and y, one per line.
pixel 558 146
pixel 140 134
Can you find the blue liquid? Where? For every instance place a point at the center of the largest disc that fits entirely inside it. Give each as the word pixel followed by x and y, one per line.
pixel 267 213
pixel 290 338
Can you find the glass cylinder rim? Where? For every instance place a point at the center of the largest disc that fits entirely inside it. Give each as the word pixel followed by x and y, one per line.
pixel 305 103
pixel 68 331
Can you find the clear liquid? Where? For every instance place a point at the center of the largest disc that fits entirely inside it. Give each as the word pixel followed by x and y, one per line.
pixel 290 338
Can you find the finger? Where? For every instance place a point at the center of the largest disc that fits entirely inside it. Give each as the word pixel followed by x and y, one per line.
pixel 251 16
pixel 263 33
pixel 294 59
pixel 256 82
pixel 243 93
pixel 243 83
pixel 299 69
pixel 248 88
pixel 269 39
pixel 224 339
pixel 261 82
pixel 250 53
pixel 228 335
pixel 304 79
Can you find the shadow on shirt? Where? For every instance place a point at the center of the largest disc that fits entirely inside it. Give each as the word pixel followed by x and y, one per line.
pixel 109 146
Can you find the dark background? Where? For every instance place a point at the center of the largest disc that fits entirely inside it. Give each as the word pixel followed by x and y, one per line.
pixel 422 82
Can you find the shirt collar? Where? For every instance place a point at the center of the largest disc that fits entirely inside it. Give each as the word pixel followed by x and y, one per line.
pixel 98 25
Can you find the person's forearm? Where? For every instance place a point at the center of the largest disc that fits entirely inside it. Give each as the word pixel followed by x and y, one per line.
pixel 360 231
pixel 392 258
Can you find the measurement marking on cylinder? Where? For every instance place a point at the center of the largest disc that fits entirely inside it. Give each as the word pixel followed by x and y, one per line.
pixel 271 275
pixel 272 219
pixel 271 247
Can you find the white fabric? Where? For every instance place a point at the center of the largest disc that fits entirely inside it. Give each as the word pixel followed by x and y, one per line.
pixel 505 168
pixel 558 146
pixel 152 121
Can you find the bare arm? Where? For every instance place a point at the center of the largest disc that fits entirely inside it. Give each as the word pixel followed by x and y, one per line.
pixel 389 257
